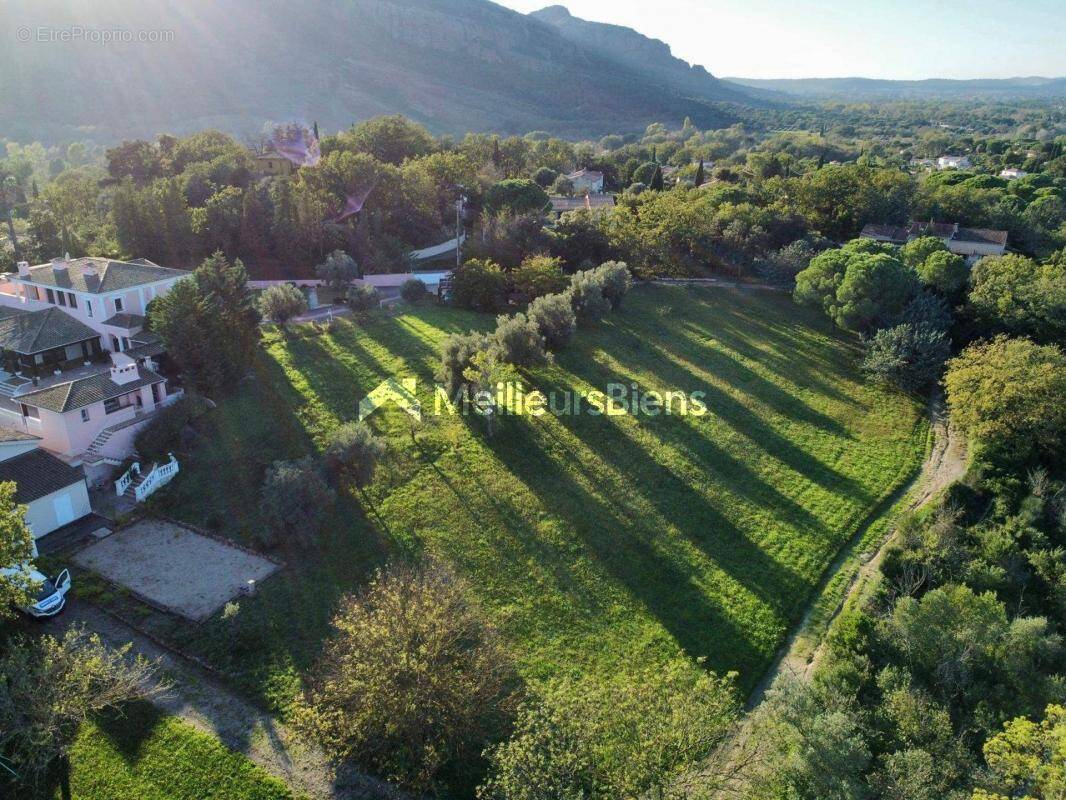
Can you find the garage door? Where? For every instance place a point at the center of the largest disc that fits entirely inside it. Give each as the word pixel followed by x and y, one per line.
pixel 64 509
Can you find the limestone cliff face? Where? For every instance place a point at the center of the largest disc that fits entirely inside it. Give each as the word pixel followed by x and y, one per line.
pixel 455 65
pixel 630 49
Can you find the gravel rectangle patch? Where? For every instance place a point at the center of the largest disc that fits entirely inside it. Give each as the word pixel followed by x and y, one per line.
pixel 174 567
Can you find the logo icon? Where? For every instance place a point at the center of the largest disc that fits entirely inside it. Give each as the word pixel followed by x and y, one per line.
pixel 401 392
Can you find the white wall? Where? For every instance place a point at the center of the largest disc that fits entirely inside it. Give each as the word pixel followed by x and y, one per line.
pixel 41 514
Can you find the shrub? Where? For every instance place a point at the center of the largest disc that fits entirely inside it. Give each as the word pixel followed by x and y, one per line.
pixel 538 276
pixel 554 317
pixel 294 499
pixel 909 356
pixel 413 290
pixel 353 452
pixel 363 297
pixel 782 266
pixel 162 436
pixel 413 682
pixel 479 285
pixel 586 297
pixel 519 340
pixel 50 687
pixel 282 302
pixel 457 355
pixel 616 281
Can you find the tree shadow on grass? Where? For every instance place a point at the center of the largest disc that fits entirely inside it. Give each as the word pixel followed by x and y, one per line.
pixel 667 589
pixel 128 728
pixel 723 406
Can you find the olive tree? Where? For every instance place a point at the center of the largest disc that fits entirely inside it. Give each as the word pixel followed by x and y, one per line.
pixel 587 298
pixel 554 317
pixel 414 681
pixel 294 499
pixel 282 302
pixel 353 452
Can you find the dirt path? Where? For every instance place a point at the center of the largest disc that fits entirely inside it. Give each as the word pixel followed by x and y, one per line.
pixel 945 464
pixel 201 700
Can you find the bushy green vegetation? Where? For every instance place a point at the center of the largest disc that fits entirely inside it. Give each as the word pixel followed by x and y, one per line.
pixel 596 544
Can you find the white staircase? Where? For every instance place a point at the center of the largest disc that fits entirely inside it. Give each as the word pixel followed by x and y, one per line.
pixel 138 484
pixel 93 453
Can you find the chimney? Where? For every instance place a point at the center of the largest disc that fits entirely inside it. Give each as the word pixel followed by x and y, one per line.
pixel 123 369
pixel 24 269
pixel 91 277
pixel 59 267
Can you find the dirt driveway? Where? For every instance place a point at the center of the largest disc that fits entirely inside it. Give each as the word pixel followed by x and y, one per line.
pixel 174 567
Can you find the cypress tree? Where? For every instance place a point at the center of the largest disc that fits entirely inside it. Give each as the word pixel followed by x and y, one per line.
pixel 700 177
pixel 656 184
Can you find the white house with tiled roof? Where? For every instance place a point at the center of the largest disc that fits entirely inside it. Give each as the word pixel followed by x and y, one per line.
pixel 89 416
pixel 107 295
pixel 53 320
pixel 586 181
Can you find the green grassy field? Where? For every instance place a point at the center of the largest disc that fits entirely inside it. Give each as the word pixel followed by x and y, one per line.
pixel 598 544
pixel 146 756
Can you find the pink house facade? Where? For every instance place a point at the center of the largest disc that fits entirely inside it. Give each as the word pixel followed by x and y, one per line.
pixel 107 295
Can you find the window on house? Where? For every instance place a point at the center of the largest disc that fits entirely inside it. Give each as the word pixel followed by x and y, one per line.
pixel 118 305
pixel 72 299
pixel 112 405
pixel 30 411
pixel 62 298
pixel 50 295
pixel 89 307
pixel 85 415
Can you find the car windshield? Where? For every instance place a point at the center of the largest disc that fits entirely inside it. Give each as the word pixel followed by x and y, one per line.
pixel 47 590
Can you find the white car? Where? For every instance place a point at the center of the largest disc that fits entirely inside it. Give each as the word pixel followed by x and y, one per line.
pixel 50 598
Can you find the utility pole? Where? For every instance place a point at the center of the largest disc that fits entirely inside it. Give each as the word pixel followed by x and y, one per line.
pixel 459 201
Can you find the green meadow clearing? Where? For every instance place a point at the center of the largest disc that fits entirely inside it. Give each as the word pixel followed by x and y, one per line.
pixel 597 544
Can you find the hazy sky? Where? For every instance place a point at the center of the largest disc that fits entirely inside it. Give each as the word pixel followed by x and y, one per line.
pixel 836 38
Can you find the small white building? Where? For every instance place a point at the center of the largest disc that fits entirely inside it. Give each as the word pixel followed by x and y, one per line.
pixel 953 162
pixel 54 493
pixel 1012 173
pixel 587 181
